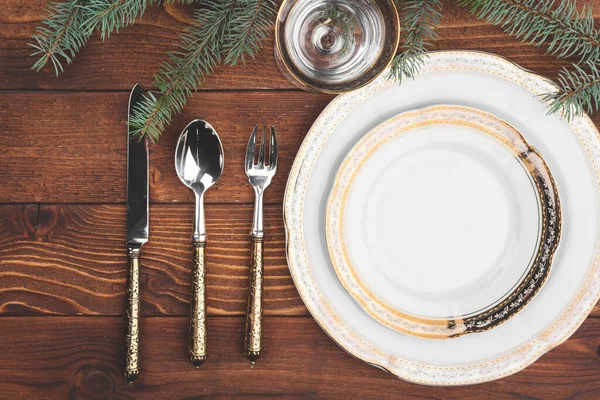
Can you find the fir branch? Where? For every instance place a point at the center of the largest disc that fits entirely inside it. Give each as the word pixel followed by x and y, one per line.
pixel 200 51
pixel 419 20
pixel 578 90
pixel 59 37
pixel 568 31
pixel 226 29
pixel 246 35
pixel 111 15
pixel 71 23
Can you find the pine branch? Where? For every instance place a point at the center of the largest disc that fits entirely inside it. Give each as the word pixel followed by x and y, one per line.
pixel 568 31
pixel 59 37
pixel 578 90
pixel 419 20
pixel 71 23
pixel 111 15
pixel 200 51
pixel 246 35
pixel 226 29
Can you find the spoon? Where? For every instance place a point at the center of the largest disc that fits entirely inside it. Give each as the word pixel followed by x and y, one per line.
pixel 199 164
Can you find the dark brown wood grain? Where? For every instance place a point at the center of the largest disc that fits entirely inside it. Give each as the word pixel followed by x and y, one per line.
pixel 70 260
pixel 80 357
pixel 72 147
pixel 62 230
pixel 136 52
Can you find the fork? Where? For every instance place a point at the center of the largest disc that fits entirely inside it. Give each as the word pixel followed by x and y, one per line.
pixel 260 173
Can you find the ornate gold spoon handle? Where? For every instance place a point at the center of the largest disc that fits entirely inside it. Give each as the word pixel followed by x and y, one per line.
pixel 252 344
pixel 197 346
pixel 199 163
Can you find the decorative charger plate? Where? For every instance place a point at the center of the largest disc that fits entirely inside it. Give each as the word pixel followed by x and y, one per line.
pixel 570 148
pixel 443 221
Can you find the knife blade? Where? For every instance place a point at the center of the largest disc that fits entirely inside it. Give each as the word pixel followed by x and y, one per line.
pixel 137 232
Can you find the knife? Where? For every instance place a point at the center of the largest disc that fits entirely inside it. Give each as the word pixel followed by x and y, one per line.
pixel 137 233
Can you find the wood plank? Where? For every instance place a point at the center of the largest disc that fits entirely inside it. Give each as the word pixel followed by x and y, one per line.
pixel 71 147
pixel 132 55
pixel 80 357
pixel 70 259
pixel 136 52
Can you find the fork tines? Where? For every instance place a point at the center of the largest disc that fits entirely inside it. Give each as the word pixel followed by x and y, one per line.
pixel 262 159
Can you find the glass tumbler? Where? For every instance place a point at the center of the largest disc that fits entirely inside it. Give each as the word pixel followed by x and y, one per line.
pixel 335 46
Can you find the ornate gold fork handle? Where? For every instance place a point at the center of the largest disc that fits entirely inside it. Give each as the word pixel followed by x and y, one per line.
pixel 132 368
pixel 252 345
pixel 197 345
pixel 259 174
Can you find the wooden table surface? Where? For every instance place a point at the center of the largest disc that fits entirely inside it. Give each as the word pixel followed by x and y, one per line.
pixel 62 232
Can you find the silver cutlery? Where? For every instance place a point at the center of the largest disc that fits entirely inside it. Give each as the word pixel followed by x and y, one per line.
pixel 260 170
pixel 199 164
pixel 137 234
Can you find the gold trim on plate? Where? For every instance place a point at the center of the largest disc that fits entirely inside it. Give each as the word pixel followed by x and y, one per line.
pixel 505 307
pixel 510 362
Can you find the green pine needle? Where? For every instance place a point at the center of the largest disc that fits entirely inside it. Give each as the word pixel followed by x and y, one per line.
pixel 110 16
pixel 246 34
pixel 59 37
pixel 224 30
pixel 419 21
pixel 567 31
pixel 578 90
pixel 227 31
pixel 71 23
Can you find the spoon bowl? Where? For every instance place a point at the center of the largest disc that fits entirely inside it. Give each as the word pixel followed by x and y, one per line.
pixel 199 156
pixel 199 163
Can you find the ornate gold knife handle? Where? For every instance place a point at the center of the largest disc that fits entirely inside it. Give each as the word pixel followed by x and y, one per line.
pixel 132 368
pixel 252 345
pixel 197 346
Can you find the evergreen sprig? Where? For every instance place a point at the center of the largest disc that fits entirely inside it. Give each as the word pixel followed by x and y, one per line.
pixel 59 37
pixel 224 30
pixel 567 31
pixel 71 23
pixel 578 90
pixel 227 31
pixel 419 21
pixel 250 27
pixel 109 16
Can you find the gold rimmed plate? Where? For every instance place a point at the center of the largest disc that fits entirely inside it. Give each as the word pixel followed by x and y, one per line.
pixel 571 149
pixel 443 221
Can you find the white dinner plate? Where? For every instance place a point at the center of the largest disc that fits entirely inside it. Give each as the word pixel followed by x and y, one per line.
pixel 443 221
pixel 572 152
